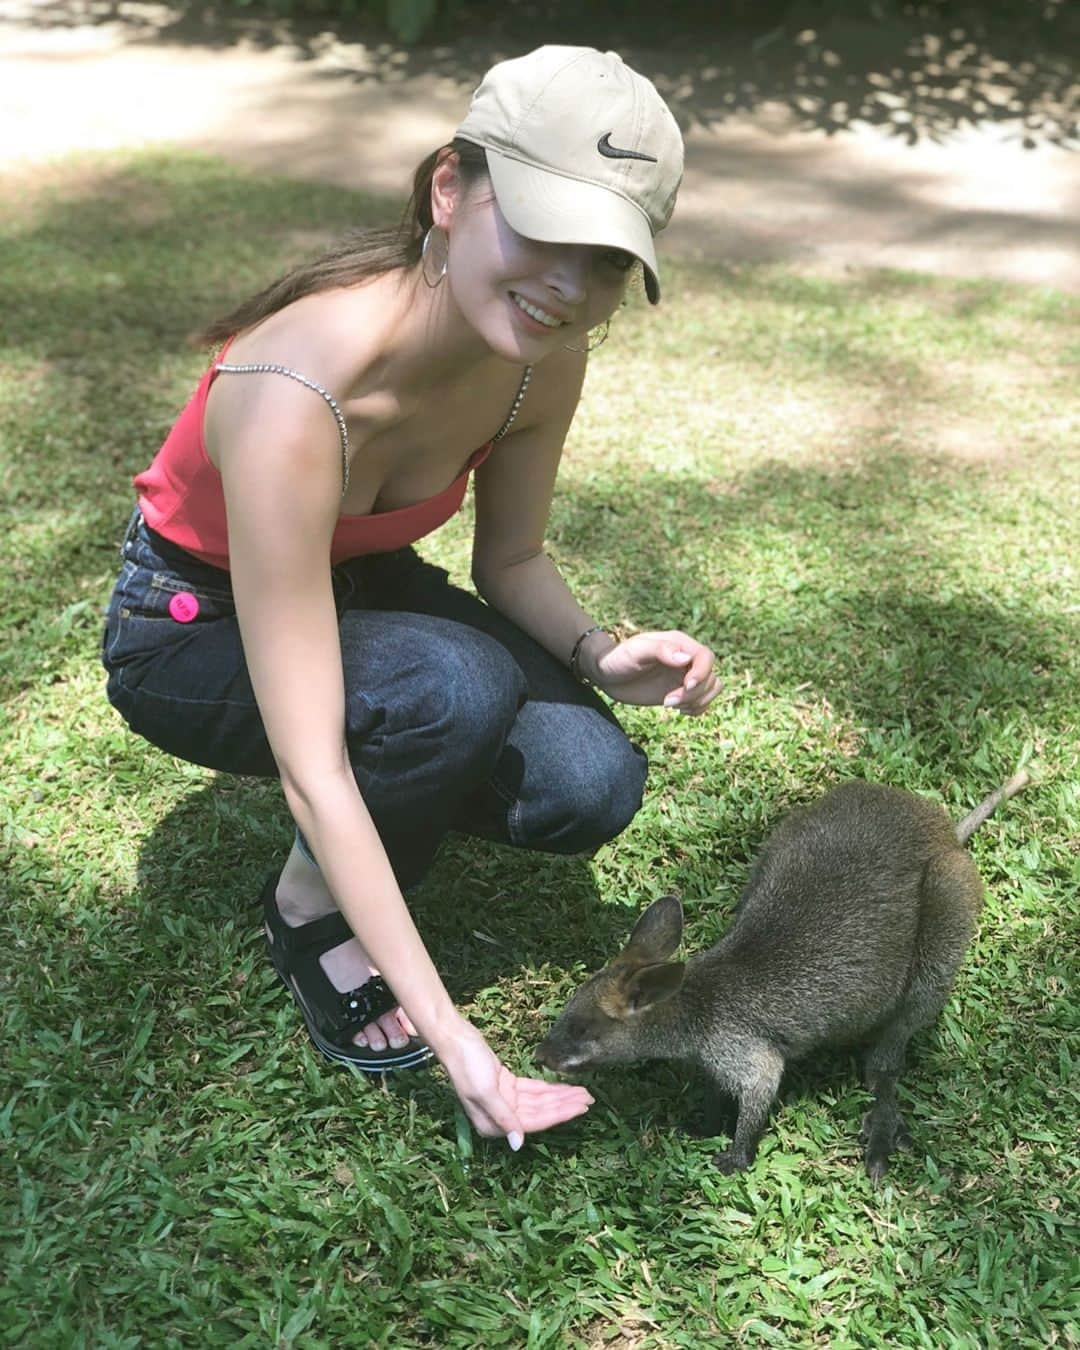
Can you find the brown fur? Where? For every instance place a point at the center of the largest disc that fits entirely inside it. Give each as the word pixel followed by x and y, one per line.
pixel 850 929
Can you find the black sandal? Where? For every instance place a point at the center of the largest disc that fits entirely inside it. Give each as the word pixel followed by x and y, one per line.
pixel 332 1018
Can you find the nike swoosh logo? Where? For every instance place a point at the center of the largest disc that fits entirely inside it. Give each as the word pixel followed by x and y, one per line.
pixel 613 152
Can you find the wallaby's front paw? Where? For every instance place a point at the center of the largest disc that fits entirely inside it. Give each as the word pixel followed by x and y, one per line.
pixel 729 1161
pixel 877 1164
pixel 877 1161
pixel 882 1133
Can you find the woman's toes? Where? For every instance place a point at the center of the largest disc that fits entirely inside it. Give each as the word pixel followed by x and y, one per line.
pixel 375 1037
pixel 392 1029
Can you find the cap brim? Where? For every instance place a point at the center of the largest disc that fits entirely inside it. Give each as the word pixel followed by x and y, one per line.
pixel 557 210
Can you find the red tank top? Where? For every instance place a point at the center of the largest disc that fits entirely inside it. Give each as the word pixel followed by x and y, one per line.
pixel 181 497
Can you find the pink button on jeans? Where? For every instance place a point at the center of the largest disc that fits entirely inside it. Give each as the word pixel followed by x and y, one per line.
pixel 184 607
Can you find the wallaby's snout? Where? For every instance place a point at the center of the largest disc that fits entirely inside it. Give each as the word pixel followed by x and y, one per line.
pixel 607 1020
pixel 575 1041
pixel 558 1058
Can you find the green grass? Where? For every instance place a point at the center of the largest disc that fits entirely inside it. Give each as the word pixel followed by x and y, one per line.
pixel 865 493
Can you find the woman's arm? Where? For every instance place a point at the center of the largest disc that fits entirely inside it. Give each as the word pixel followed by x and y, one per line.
pixel 512 572
pixel 281 468
pixel 514 488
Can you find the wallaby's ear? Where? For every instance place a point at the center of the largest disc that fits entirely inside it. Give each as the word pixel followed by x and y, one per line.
pixel 656 934
pixel 652 984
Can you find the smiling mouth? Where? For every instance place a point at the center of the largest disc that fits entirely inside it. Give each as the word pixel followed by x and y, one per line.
pixel 535 312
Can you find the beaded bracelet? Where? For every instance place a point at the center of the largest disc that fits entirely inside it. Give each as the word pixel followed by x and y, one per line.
pixel 576 652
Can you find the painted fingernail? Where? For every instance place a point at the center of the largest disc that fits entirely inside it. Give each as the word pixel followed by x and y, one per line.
pixel 515 1139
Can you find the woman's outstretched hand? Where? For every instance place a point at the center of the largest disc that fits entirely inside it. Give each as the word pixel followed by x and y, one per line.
pixel 497 1101
pixel 669 668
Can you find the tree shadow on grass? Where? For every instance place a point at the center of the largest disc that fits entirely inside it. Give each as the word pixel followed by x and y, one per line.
pixel 882 650
pixel 485 912
pixel 114 1130
pixel 182 957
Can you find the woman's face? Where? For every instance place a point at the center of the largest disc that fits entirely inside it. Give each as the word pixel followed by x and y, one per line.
pixel 523 297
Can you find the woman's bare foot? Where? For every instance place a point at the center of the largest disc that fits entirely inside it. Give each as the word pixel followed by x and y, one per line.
pixel 301 897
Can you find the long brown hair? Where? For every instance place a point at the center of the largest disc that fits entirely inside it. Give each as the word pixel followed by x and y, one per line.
pixel 359 255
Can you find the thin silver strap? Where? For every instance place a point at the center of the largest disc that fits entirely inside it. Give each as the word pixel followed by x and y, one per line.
pixel 519 399
pixel 267 368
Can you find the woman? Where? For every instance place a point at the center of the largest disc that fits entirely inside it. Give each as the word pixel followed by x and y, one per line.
pixel 271 617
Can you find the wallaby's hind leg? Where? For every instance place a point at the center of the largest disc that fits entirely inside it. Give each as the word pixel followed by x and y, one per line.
pixel 949 902
pixel 759 1079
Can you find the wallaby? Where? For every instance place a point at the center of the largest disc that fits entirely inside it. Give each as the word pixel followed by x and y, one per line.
pixel 850 929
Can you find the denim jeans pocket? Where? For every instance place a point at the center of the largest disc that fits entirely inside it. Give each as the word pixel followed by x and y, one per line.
pixel 152 607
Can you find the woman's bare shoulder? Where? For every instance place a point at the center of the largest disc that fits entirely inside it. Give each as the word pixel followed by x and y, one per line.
pixel 330 337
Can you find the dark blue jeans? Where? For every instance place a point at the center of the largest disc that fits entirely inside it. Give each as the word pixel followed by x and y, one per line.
pixel 454 718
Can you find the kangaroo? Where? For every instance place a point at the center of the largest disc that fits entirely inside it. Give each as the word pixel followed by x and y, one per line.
pixel 851 927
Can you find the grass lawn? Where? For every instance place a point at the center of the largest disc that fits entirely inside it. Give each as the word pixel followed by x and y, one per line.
pixel 864 492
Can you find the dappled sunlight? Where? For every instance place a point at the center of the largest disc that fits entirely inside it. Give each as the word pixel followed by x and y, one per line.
pixel 913 74
pixel 827 374
pixel 893 138
pixel 910 76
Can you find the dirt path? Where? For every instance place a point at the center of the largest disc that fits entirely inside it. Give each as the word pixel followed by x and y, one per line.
pixel 758 186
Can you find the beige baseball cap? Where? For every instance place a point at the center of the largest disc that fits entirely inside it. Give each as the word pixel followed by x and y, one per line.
pixel 581 150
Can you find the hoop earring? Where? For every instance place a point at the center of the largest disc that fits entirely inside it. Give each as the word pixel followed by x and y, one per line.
pixel 424 258
pixel 596 337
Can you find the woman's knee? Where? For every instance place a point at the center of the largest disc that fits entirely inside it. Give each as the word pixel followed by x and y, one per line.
pixel 596 794
pixel 454 697
pixel 616 797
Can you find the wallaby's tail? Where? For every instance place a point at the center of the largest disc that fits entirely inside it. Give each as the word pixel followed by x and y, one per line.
pixel 971 822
